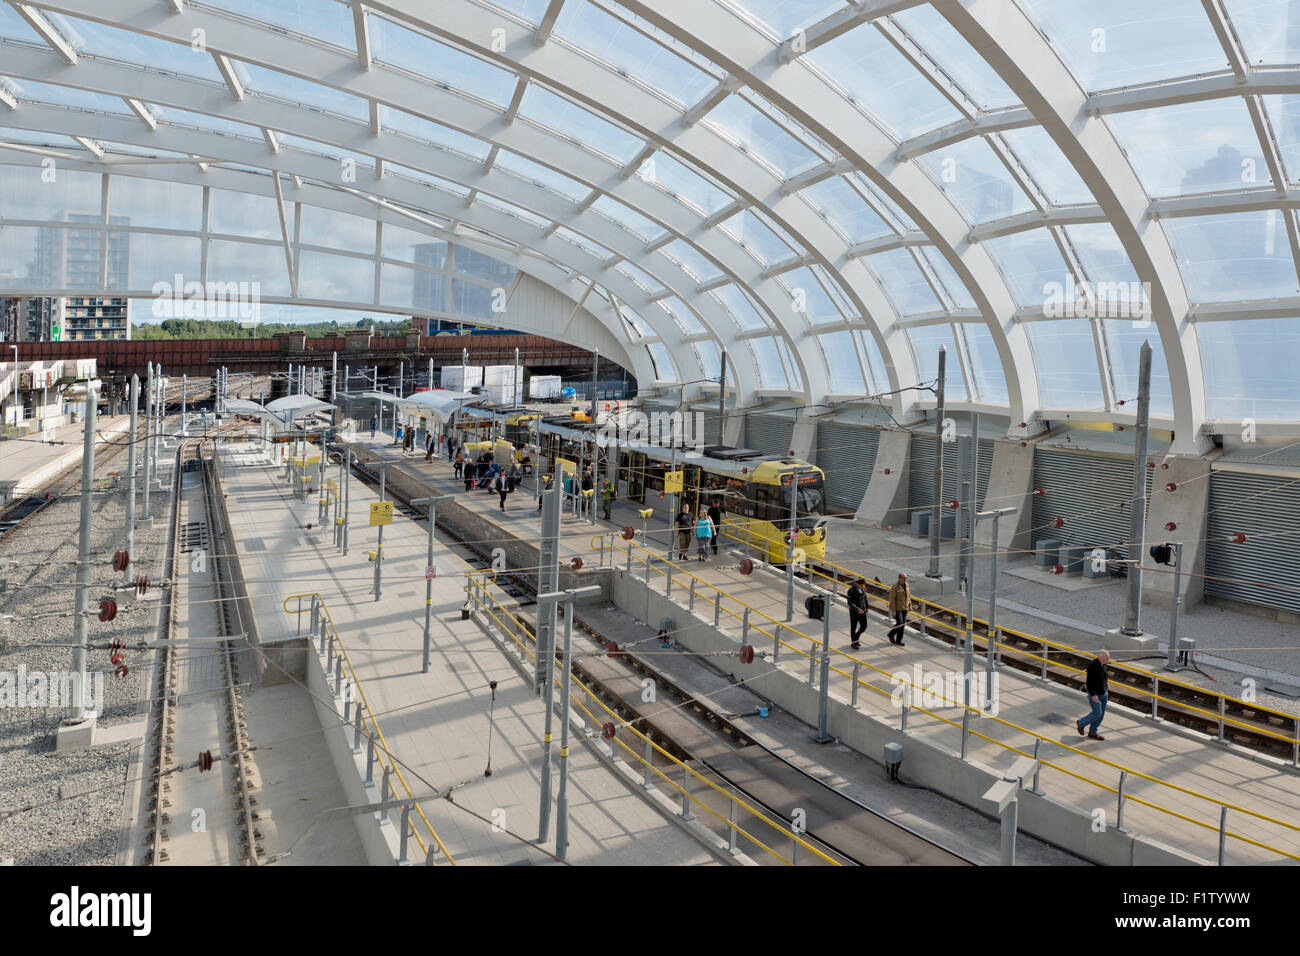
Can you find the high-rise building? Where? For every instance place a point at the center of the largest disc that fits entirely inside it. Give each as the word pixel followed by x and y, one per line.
pixel 69 258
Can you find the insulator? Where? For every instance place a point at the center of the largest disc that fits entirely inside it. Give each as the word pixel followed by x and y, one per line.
pixel 107 609
pixel 576 564
pixel 608 730
pixel 629 533
pixel 746 653
pixel 746 566
pixel 1058 522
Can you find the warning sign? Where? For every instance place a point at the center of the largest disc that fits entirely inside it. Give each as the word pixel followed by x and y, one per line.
pixel 431 572
pixel 381 512
pixel 673 482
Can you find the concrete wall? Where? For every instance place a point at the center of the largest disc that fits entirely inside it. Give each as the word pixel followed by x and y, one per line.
pixel 1187 508
pixel 803 439
pixel 924 763
pixel 733 429
pixel 885 503
pixel 1011 485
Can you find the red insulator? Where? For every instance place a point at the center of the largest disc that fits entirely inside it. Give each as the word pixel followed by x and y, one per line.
pixel 1038 492
pixel 1121 401
pixel 1171 486
pixel 1238 538
pixel 611 649
pixel 107 609
pixel 121 560
pixel 888 471
pixel 954 504
pixel 48 496
pixel 1151 464
pixel 1170 526
pixel 122 670
pixel 205 761
pixel 1024 424
pixel 1024 444
pixel 576 564
pixel 629 533
pixel 309 526
pixel 1058 522
pixel 1119 428
pixel 746 653
pixel 608 730
pixel 141 585
pixel 1058 569
pixel 1164 464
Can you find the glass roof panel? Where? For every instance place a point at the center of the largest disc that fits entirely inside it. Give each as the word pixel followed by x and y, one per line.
pixel 326 149
pixel 14 26
pixel 1284 118
pixel 783 17
pixel 479 265
pixel 809 301
pixel 739 307
pixel 986 365
pixel 1240 256
pixel 845 209
pixel 1102 255
pixel 1108 43
pixel 511 209
pixel 1065 356
pixel 793 375
pixel 1196 147
pixel 904 282
pixel 947 276
pixel 925 342
pixel 665 367
pixel 628 218
pixel 940 41
pixel 1123 347
pixel 336 230
pixel 683 183
pixel 1045 162
pixel 1031 261
pixel 444 64
pixel 1267 29
pixel 756 237
pixel 101 40
pixel 582 242
pixel 543 176
pixel 842 362
pixel 771 373
pixel 214 124
pixel 154 203
pixel 634 324
pixel 24 193
pixel 248 262
pixel 38 138
pixel 625 49
pixel 686 319
pixel 973 174
pixel 410 245
pixel 694 261
pixel 578 124
pixel 760 135
pixel 877 375
pixel 328 20
pixel 36 92
pixel 881 81
pixel 530 10
pixel 428 131
pixel 1250 368
pixel 706 350
pixel 428 179
pixel 243 214
pixel 335 278
pixel 638 275
pixel 296 90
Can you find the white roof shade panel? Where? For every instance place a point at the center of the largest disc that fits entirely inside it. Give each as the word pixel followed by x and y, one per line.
pixel 113 43
pixel 846 210
pixel 326 20
pixel 977 179
pixel 426 57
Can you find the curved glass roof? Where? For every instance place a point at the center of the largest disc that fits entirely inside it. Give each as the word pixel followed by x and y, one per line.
pixel 826 190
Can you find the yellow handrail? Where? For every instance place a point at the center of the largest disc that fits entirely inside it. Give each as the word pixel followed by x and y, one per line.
pixel 373 721
pixel 815 645
pixel 513 628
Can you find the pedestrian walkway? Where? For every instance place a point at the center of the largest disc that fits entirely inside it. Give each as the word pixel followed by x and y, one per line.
pixel 446 728
pixel 1176 782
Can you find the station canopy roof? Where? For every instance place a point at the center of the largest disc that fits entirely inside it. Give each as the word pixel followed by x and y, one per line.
pixel 825 191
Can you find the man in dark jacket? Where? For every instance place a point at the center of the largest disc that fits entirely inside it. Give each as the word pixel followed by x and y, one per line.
pixel 715 515
pixel 685 531
pixel 1097 695
pixel 857 598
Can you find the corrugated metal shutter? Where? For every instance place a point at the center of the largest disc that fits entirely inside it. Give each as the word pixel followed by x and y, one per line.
pixel 769 434
pixel 920 484
pixel 1092 492
pixel 847 454
pixel 1259 506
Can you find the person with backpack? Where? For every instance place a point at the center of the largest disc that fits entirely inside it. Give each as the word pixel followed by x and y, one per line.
pixel 704 533
pixel 397 436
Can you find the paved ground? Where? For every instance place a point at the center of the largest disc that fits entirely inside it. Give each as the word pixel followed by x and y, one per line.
pixel 29 461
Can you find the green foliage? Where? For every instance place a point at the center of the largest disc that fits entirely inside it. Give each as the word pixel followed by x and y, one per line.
pixel 225 329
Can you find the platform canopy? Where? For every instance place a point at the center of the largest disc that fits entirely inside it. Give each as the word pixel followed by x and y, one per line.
pixel 439 404
pixel 828 190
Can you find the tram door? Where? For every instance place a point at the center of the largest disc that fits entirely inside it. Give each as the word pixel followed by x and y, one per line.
pixel 691 476
pixel 636 477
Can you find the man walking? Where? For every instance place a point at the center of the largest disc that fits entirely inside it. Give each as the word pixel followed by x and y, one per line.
pixel 451 446
pixel 685 531
pixel 900 602
pixel 715 515
pixel 607 495
pixel 857 598
pixel 1097 695
pixel 374 426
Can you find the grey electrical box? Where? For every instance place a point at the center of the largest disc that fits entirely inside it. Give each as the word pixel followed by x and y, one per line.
pixel 893 755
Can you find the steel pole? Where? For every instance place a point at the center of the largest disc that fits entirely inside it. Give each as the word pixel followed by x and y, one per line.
pixel 184 396
pixel 722 399
pixel 334 377
pixel 148 444
pixel 936 519
pixel 347 496
pixel 428 581
pixel 789 553
pixel 991 648
pixel 562 798
pixel 544 808
pixel 1137 509
pixel 379 546
pixel 130 480
pixel 1173 608
pixel 80 623
pixel 823 697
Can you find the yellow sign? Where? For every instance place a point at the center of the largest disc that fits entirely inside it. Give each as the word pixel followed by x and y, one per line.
pixel 303 461
pixel 381 512
pixel 332 485
pixel 566 466
pixel 673 482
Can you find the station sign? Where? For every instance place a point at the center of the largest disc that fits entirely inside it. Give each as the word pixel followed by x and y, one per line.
pixel 673 482
pixel 381 512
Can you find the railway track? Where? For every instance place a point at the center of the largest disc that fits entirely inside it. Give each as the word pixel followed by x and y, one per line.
pixel 694 730
pixel 209 681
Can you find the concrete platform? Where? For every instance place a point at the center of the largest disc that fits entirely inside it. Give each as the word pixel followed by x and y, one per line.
pixel 31 461
pixel 436 725
pixel 1084 775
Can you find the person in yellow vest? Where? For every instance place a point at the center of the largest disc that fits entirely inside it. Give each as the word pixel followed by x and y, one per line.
pixel 900 602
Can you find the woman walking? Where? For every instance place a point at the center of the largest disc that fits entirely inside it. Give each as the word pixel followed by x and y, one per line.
pixel 704 532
